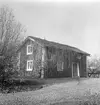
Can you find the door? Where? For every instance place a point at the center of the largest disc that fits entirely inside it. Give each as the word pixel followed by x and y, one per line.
pixel 75 70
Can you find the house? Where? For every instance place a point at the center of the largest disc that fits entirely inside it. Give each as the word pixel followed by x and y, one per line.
pixel 40 58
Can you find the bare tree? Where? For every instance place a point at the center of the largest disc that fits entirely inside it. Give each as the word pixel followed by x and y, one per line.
pixel 10 34
pixel 10 31
pixel 94 65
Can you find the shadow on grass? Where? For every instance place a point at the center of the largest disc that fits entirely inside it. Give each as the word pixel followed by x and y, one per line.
pixel 18 85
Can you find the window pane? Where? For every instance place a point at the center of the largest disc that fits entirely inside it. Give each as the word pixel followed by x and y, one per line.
pixel 29 49
pixel 28 65
pixel 31 65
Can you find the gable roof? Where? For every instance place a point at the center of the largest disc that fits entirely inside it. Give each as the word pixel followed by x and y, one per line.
pixel 56 45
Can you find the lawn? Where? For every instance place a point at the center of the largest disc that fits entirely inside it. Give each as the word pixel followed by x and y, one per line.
pixel 61 92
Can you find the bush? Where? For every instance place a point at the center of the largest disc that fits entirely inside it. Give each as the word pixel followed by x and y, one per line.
pixel 16 85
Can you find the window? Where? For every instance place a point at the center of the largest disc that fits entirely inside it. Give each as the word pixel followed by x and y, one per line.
pixel 60 66
pixel 29 49
pixel 29 65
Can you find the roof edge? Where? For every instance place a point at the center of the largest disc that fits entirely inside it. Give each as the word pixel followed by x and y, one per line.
pixel 33 39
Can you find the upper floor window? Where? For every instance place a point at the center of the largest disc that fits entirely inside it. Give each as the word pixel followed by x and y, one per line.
pixel 29 49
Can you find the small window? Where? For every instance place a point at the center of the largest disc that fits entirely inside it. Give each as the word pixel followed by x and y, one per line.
pixel 29 49
pixel 29 65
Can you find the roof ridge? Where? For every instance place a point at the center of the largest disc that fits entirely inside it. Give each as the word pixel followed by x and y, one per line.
pixel 56 44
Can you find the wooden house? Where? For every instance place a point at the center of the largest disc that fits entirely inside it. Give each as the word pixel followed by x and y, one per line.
pixel 40 58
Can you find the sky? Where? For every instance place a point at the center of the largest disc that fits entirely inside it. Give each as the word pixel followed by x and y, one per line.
pixel 68 22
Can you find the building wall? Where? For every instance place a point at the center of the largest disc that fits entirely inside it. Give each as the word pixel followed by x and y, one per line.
pixel 60 56
pixel 42 57
pixel 83 67
pixel 68 57
pixel 36 56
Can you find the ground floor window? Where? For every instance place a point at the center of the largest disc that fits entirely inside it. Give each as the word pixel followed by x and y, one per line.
pixel 60 66
pixel 29 65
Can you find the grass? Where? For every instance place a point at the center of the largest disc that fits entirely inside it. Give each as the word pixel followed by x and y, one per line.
pixel 18 85
pixel 87 92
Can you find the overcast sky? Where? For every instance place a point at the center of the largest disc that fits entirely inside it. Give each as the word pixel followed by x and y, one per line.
pixel 72 23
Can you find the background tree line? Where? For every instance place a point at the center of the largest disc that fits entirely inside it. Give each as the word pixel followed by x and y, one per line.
pixel 94 64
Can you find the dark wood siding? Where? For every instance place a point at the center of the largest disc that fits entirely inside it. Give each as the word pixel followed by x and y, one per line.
pixel 68 57
pixel 57 55
pixel 24 57
pixel 83 65
pixel 62 56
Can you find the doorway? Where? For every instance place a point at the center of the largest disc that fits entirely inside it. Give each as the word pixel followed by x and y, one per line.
pixel 75 69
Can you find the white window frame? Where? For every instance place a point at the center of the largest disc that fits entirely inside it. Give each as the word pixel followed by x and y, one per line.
pixel 28 53
pixel 29 69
